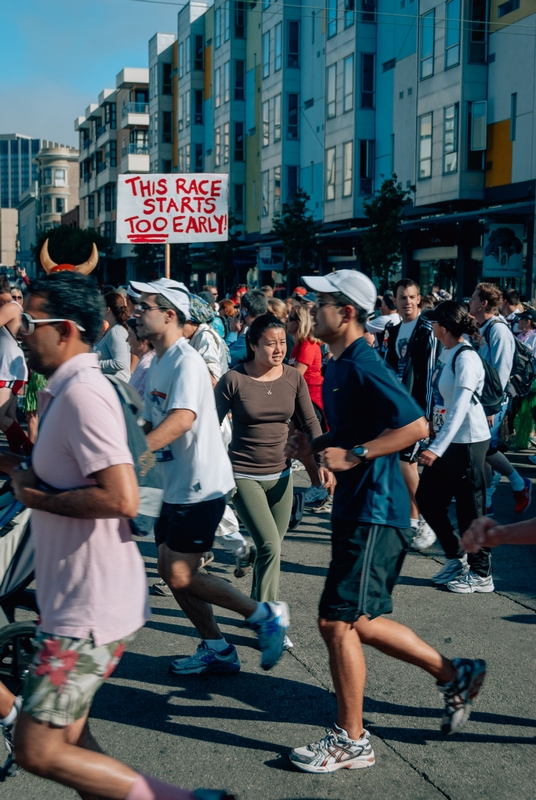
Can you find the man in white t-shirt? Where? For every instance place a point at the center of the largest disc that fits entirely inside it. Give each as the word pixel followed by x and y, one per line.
pixel 183 430
pixel 389 317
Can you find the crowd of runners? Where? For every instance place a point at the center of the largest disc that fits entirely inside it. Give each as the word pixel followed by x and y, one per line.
pixel 356 389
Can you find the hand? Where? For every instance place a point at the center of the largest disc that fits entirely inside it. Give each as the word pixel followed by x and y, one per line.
pixel 24 485
pixel 235 324
pixel 491 420
pixel 427 458
pixel 482 532
pixel 298 446
pixel 338 459
pixel 326 477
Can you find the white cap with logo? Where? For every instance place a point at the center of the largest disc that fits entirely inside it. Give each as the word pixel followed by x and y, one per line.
pixel 355 285
pixel 174 291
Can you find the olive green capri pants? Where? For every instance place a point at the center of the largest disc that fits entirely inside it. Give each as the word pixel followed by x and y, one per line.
pixel 265 507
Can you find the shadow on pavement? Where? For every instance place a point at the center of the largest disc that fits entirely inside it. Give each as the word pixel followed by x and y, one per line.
pixel 422 736
pixel 371 706
pixel 527 619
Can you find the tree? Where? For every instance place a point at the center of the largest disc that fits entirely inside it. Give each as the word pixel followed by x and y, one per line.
pixel 222 254
pixel 70 245
pixel 381 244
pixel 150 261
pixel 298 230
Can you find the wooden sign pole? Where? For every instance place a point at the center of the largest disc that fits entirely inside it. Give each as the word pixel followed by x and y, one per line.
pixel 167 259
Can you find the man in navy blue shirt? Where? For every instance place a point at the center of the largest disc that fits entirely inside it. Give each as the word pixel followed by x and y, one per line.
pixel 371 418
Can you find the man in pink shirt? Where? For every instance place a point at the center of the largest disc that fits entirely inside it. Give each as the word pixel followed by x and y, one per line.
pixel 91 584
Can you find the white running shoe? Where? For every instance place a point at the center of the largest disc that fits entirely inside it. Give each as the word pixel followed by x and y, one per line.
pixel 334 751
pixel 451 569
pixel 325 507
pixel 314 494
pixel 471 583
pixel 425 536
pixel 272 632
pixel 287 644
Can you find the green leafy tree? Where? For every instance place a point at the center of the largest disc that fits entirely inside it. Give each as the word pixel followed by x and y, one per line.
pixel 298 230
pixel 68 245
pixel 381 244
pixel 222 254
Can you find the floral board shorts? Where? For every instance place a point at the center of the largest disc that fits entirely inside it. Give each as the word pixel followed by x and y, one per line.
pixel 65 675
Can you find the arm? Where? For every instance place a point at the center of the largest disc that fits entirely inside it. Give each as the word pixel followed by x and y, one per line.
pixel 432 355
pixel 9 462
pixel 501 350
pixel 461 401
pixel 302 368
pixel 177 423
pixel 484 532
pixel 389 441
pixel 119 351
pixel 224 397
pixel 9 312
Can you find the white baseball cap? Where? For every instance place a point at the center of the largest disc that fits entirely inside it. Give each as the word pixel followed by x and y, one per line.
pixel 174 291
pixel 355 285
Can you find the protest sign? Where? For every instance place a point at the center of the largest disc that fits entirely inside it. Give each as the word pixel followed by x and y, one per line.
pixel 158 209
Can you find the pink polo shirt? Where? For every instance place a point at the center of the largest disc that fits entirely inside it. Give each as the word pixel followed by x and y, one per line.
pixel 89 572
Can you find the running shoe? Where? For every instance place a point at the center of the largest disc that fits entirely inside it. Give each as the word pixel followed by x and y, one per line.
pixel 523 497
pixel 10 765
pixel 460 692
pixel 451 569
pixel 296 465
pixel 471 583
pixel 272 632
pixel 314 495
pixel 324 507
pixel 244 561
pixel 335 751
pixel 161 589
pixel 207 660
pixel 424 537
pixel 287 644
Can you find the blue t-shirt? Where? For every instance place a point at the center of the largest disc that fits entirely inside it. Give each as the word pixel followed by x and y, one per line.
pixel 362 397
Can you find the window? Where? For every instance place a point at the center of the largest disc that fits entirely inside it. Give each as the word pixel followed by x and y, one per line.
pixel 367 80
pixel 292 182
pixel 110 151
pixel 187 158
pixel 239 141
pixel 217 87
pixel 331 82
pixel 110 119
pixel 452 40
pixel 167 130
pixel 217 27
pixel 513 116
pixel 239 202
pixel 240 80
pixel 366 162
pixel 293 44
pixel 425 147
pixel 264 193
pixel 277 190
pixel 349 9
pixel 187 108
pixel 60 205
pixel 226 142
pixel 265 124
pixel 277 118
pixel 47 176
pixel 180 120
pixel 292 116
pixel 47 205
pixel 167 70
pixel 226 81
pixel 347 168
pixel 181 60
pixel 187 56
pixel 108 197
pixel 91 206
pixel 198 112
pixel 330 174
pixel 266 54
pixel 477 26
pixel 331 17
pixel 59 177
pixel 387 65
pixel 313 22
pixel 217 147
pixel 368 9
pixel 198 53
pixel 198 155
pixel 240 19
pixel 278 45
pixel 450 139
pixel 507 8
pixel 479 112
pixel 226 21
pixel 348 89
pixel 427 44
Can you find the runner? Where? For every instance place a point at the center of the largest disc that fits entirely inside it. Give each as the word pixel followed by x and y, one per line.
pixel 183 428
pixel 412 352
pixel 371 418
pixel 13 371
pixel 252 305
pixel 113 348
pixel 388 318
pixel 91 584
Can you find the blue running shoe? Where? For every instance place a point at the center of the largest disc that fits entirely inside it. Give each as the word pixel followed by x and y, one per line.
pixel 206 660
pixel 271 633
pixel 460 692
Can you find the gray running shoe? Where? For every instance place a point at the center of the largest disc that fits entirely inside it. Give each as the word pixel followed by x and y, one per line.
pixel 334 751
pixel 245 561
pixel 161 589
pixel 452 568
pixel 460 692
pixel 207 660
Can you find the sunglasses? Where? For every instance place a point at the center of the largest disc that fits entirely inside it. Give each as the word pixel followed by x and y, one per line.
pixel 28 323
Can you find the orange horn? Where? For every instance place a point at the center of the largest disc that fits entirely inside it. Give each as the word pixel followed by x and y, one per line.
pixel 89 265
pixel 46 262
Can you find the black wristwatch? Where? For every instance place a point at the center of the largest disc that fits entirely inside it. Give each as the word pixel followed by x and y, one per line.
pixel 360 451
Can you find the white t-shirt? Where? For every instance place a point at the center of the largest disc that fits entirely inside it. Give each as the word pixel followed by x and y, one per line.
pixel 401 344
pixel 195 467
pixel 456 416
pixel 377 325
pixel 211 346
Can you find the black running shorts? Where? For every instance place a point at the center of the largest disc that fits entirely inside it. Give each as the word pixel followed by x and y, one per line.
pixel 189 528
pixel 366 563
pixel 411 453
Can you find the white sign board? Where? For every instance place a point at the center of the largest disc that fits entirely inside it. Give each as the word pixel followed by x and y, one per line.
pixel 157 209
pixel 503 251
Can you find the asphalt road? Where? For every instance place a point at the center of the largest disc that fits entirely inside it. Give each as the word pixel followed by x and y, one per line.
pixel 235 732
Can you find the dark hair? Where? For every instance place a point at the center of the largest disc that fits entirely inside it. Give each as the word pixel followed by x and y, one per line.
pixel 428 301
pixel 73 296
pixel 491 293
pixel 254 302
pixel 163 302
pixel 456 319
pixel 511 297
pixel 107 289
pixel 207 296
pixel 341 299
pixel 5 286
pixel 388 300
pixel 405 283
pixel 114 302
pixel 258 327
pixel 131 323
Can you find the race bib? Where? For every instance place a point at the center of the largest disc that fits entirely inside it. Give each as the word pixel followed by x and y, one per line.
pixel 438 418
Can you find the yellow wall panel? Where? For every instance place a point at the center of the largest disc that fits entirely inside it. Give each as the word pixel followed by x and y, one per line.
pixel 499 154
pixel 208 71
pixel 526 8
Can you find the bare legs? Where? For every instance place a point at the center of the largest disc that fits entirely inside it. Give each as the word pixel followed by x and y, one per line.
pixel 6 700
pixel 411 479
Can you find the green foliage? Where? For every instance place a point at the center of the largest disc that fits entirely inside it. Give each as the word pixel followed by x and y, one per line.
pixel 68 245
pixel 222 254
pixel 298 230
pixel 381 244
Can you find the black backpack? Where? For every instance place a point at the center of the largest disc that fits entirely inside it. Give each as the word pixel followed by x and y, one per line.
pixel 492 393
pixel 523 371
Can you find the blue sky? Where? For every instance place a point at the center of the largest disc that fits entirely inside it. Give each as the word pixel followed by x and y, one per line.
pixel 57 55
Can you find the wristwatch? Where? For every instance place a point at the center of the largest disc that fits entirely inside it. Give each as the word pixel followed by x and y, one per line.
pixel 360 451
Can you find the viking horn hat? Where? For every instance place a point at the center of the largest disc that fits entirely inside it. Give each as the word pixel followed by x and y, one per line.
pixel 84 269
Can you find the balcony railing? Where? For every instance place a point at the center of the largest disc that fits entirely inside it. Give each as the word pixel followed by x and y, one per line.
pixel 86 143
pixel 101 129
pixel 135 108
pixel 135 150
pixel 102 166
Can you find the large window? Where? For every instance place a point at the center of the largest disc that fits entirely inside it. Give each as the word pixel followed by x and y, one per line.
pixel 198 54
pixel 427 44
pixel 240 80
pixel 181 60
pixel 478 128
pixel 226 81
pixel 277 190
pixel 347 168
pixel 264 193
pixel 277 118
pixel 226 21
pixel 293 44
pixel 60 205
pixel 331 96
pixel 292 182
pixel 366 165
pixel 217 87
pixel 167 70
pixel 266 54
pixel 198 154
pixel 452 38
pixel 59 177
pixel 226 142
pixel 239 202
pixel 198 117
pixel 330 174
pixel 167 129
pixel 47 176
pixel 187 55
pixel 450 139
pixel 367 80
pixel 349 12
pixel 278 45
pixel 217 147
pixel 292 116
pixel 187 103
pixel 477 26
pixel 331 13
pixel 239 141
pixel 265 124
pixel 217 27
pixel 240 19
pixel 425 147
pixel 348 88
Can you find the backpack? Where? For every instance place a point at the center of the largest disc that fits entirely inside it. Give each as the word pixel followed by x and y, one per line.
pixel 145 464
pixel 492 393
pixel 523 371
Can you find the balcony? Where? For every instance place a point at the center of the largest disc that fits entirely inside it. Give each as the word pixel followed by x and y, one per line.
pixel 135 150
pixel 135 108
pixel 135 115
pixel 86 144
pixel 101 167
